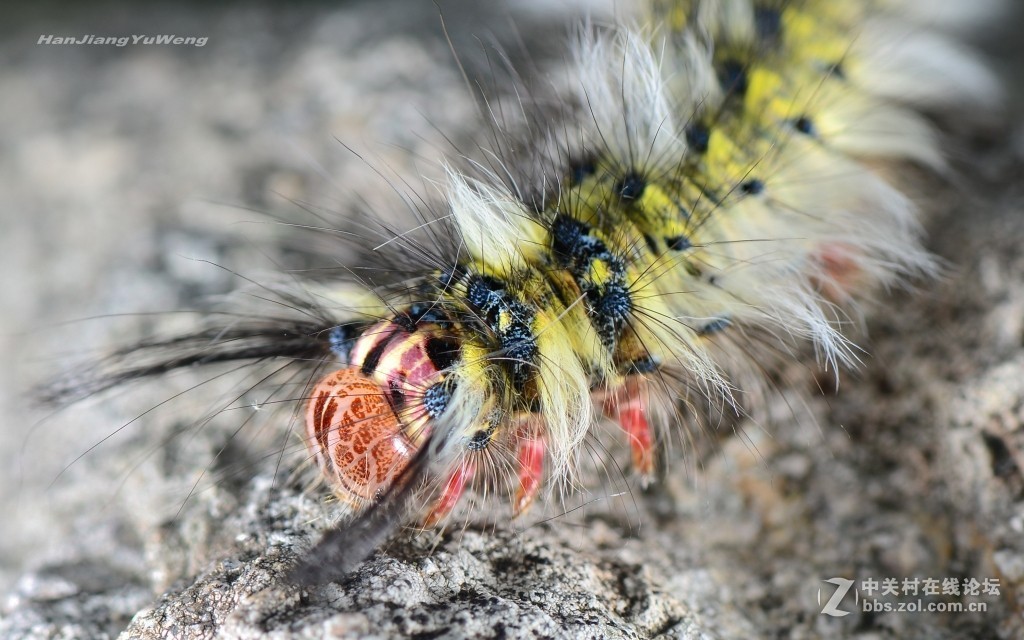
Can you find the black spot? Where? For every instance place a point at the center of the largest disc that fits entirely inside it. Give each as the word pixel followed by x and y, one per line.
pixel 342 338
pixel 405 321
pixel 609 310
pixel 752 187
pixel 835 70
pixel 519 344
pixel 480 290
pixel 581 170
pixel 678 243
pixel 373 358
pixel 805 125
pixel 615 302
pixel 486 295
pixel 443 352
pixel 715 326
pixel 447 277
pixel 632 186
pixel 436 398
pixel 711 196
pixel 588 250
pixel 732 74
pixel 642 365
pixel 517 348
pixel 698 137
pixel 572 245
pixel 616 266
pixel 652 245
pixel 428 312
pixel 768 23
pixel 565 235
pixel 479 440
pixel 397 395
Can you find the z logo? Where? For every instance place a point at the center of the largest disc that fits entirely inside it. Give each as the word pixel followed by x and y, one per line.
pixel 831 607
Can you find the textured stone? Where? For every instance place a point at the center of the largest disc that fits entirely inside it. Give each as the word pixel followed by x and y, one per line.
pixel 116 167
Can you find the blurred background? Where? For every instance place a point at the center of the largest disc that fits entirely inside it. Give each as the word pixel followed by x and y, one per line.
pixel 128 173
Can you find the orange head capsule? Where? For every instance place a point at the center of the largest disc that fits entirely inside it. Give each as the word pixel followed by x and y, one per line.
pixel 365 422
pixel 355 436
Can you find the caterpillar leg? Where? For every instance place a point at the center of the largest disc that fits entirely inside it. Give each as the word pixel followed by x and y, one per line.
pixel 531 450
pixel 629 407
pixel 841 273
pixel 454 487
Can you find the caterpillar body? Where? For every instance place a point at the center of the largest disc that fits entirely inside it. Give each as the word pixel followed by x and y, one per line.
pixel 710 194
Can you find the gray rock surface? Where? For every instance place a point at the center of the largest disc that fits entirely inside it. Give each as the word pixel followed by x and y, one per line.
pixel 128 173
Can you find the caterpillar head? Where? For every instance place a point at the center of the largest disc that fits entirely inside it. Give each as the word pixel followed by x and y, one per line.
pixel 421 386
pixel 365 421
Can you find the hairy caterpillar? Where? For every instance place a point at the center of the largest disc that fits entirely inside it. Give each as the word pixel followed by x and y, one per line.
pixel 661 232
pixel 633 221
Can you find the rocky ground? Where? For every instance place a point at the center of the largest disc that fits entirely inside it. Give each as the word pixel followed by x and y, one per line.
pixel 129 173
